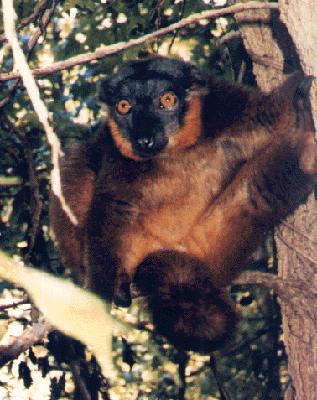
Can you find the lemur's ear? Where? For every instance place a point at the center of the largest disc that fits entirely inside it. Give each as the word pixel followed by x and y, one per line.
pixel 105 90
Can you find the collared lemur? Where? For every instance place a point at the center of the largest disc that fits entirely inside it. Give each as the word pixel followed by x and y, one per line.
pixel 178 187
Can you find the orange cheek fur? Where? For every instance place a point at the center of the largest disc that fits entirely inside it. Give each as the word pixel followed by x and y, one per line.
pixel 191 130
pixel 122 144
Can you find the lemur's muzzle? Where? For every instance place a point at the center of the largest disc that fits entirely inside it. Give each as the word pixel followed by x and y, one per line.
pixel 148 146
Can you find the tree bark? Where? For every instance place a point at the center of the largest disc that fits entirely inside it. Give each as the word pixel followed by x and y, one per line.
pixel 297 246
pixel 285 44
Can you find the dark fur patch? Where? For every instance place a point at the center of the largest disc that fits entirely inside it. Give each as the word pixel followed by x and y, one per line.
pixel 187 309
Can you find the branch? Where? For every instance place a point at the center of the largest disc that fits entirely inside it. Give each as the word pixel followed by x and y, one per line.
pixel 79 381
pixel 182 358
pixel 41 6
pixel 44 21
pixel 181 15
pixel 270 281
pixel 31 18
pixel 118 47
pixel 224 395
pixel 289 291
pixel 245 343
pixel 29 337
pixel 14 304
pixel 39 106
pixel 228 37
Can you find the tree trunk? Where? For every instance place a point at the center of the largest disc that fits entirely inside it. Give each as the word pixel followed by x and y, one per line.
pixel 297 246
pixel 275 49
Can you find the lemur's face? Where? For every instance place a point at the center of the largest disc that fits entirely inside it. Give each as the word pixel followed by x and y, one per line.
pixel 153 108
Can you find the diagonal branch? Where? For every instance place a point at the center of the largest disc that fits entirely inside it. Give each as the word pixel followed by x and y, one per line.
pixel 43 22
pixel 30 336
pixel 39 106
pixel 118 47
pixel 38 10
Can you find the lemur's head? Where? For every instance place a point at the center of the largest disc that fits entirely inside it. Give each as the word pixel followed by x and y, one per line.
pixel 154 106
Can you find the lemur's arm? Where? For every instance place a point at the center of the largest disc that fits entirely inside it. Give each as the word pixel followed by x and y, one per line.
pixel 227 107
pixel 77 187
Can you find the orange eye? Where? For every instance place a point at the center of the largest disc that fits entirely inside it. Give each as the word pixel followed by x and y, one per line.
pixel 123 106
pixel 168 100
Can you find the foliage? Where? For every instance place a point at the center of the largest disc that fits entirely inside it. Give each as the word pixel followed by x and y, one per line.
pixel 251 368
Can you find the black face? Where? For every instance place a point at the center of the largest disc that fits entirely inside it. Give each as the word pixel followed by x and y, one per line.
pixel 147 101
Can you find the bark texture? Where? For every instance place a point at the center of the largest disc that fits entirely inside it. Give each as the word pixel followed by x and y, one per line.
pixel 279 46
pixel 297 242
pixel 300 17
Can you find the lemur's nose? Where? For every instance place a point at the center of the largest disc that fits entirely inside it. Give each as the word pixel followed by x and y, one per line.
pixel 149 146
pixel 146 143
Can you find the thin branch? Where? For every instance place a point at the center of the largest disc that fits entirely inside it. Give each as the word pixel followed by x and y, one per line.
pixel 79 382
pixel 14 304
pixel 36 202
pixel 245 343
pixel 44 21
pixel 267 280
pixel 41 6
pixel 228 37
pixel 46 18
pixel 29 337
pixel 254 19
pixel 39 106
pixel 224 395
pixel 181 15
pixel 118 47
pixel 182 358
pixel 38 10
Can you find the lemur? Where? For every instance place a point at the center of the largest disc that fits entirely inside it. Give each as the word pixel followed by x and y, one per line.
pixel 178 187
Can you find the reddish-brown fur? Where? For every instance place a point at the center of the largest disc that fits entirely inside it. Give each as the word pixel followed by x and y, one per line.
pixel 189 134
pixel 204 203
pixel 123 145
pixel 77 187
